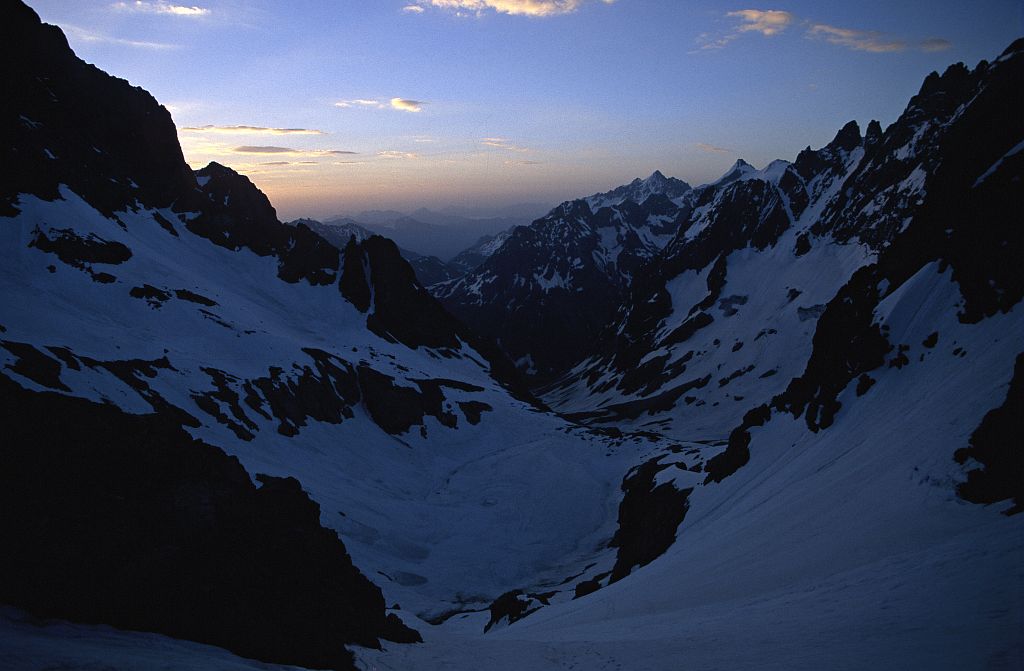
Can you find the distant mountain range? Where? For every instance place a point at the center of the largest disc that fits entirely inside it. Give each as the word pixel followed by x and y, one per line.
pixel 429 269
pixel 427 232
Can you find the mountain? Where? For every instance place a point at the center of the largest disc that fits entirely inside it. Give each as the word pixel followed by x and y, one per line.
pixel 551 285
pixel 730 310
pixel 836 343
pixel 224 433
pixel 430 233
pixel 469 259
pixel 639 190
pixel 429 269
pixel 213 418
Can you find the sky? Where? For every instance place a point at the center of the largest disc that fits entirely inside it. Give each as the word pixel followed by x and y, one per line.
pixel 338 106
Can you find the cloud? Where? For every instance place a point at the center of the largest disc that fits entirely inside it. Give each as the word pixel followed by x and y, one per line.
pixel 397 155
pixel 360 102
pixel 858 40
pixel 772 22
pixel 403 104
pixel 712 149
pixel 251 149
pixel 251 130
pixel 767 22
pixel 412 9
pixel 524 163
pixel 161 7
pixel 265 149
pixel 91 36
pixel 501 143
pixel 511 7
pixel 935 44
pixel 276 163
pixel 407 105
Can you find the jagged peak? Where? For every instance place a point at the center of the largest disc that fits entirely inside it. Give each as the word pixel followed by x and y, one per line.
pixel 848 138
pixel 1016 47
pixel 874 130
pixel 214 168
pixel 738 169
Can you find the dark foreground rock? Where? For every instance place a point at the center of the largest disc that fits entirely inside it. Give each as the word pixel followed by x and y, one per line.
pixel 126 520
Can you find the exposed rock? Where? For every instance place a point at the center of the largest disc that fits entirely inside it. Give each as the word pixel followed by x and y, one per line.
pixel 133 523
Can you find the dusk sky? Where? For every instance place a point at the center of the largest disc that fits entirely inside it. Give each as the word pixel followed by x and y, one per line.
pixel 335 106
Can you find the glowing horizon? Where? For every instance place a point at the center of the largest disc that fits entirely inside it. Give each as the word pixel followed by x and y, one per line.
pixel 398 104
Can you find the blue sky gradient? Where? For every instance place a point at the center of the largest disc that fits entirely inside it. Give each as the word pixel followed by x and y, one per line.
pixel 480 103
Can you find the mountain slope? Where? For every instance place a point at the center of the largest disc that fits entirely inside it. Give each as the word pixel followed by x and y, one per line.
pixel 429 269
pixel 142 289
pixel 550 285
pixel 728 312
pixel 835 525
pixel 192 384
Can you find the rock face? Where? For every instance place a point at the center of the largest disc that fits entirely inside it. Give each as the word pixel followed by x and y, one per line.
pixel 55 91
pixel 547 289
pixel 429 269
pixel 125 519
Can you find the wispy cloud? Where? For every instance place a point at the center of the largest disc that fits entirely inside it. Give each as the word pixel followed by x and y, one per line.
pixel 161 7
pixel 511 7
pixel 251 130
pixel 858 40
pixel 407 105
pixel 403 104
pixel 397 154
pixel 264 149
pixel 101 38
pixel 772 22
pixel 712 149
pixel 360 102
pixel 501 143
pixel 524 162
pixel 412 9
pixel 767 22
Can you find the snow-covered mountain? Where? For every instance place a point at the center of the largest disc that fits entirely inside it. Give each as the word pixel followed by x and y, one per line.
pixel 429 269
pixel 547 288
pixel 222 430
pixel 729 311
pixel 173 358
pixel 470 258
pixel 639 190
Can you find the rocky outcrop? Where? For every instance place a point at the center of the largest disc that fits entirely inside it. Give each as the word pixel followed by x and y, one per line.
pixel 126 520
